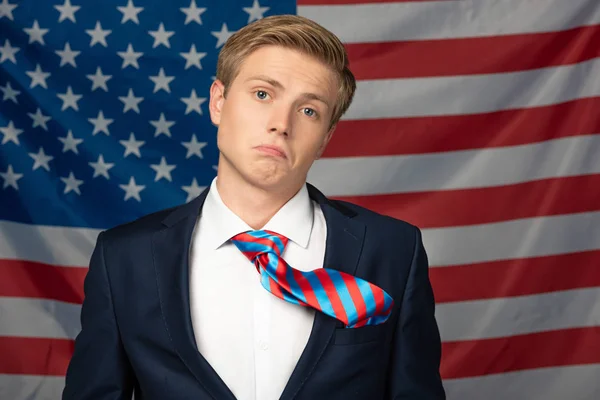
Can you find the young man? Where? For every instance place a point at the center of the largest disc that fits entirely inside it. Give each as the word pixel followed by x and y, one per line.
pixel 262 288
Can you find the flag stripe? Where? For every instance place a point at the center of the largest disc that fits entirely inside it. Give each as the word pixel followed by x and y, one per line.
pixel 537 350
pixel 436 209
pixel 518 277
pixel 28 387
pixel 445 57
pixel 495 318
pixel 35 356
pixel 433 134
pixel 353 23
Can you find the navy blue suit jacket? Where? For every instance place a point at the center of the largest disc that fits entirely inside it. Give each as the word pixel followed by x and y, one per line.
pixel 137 332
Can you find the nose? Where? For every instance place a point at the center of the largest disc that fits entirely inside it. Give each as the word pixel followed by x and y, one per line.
pixel 280 121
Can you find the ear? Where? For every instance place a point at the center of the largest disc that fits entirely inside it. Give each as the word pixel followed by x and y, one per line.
pixel 217 99
pixel 325 142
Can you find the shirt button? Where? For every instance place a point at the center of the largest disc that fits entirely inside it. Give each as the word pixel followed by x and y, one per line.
pixel 263 346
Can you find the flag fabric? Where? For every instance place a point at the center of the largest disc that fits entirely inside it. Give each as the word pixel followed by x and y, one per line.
pixel 477 121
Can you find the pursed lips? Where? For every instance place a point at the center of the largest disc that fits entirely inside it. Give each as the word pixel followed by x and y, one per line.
pixel 272 149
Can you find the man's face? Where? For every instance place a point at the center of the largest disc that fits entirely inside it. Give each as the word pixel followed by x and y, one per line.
pixel 274 121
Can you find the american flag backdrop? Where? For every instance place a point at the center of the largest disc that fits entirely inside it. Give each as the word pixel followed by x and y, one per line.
pixel 476 120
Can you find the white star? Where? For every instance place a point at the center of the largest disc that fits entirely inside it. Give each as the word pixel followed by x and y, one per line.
pixel 10 178
pixel 132 146
pixel 193 103
pixel 9 93
pixel 193 58
pixel 193 190
pixel 39 119
pixel 72 184
pixel 132 190
pixel 8 53
pixel 161 81
pixel 130 13
pixel 131 102
pixel 194 147
pixel 130 57
pixel 222 36
pixel 99 80
pixel 35 33
pixel 162 126
pixel 10 133
pixel 6 10
pixel 69 99
pixel 192 13
pixel 67 56
pixel 100 124
pixel 41 160
pixel 101 167
pixel 98 35
pixel 163 170
pixel 67 11
pixel 255 12
pixel 161 36
pixel 70 143
pixel 38 77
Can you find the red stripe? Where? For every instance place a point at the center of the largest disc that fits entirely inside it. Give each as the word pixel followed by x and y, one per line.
pixel 36 280
pixel 356 295
pixel 493 54
pixel 447 208
pixel 306 288
pixel 518 277
pixel 332 294
pixel 379 298
pixel 435 134
pixel 347 2
pixel 35 356
pixel 535 350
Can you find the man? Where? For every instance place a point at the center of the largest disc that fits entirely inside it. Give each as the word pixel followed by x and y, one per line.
pixel 262 288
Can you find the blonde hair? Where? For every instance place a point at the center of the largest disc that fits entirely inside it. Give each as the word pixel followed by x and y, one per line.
pixel 296 33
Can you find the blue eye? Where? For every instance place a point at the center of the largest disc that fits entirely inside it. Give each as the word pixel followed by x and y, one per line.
pixel 261 94
pixel 309 112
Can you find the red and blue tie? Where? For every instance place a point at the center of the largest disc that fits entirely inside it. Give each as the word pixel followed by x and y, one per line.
pixel 347 298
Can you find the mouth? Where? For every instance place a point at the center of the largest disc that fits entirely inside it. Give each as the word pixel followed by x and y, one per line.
pixel 271 150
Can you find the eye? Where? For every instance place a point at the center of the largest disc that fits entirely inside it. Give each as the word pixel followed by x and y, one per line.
pixel 261 94
pixel 309 112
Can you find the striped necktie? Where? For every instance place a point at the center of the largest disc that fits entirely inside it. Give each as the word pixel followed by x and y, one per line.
pixel 347 298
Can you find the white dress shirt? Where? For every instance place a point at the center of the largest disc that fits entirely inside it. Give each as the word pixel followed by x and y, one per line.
pixel 250 337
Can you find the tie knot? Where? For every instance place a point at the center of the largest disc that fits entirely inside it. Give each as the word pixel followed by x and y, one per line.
pixel 255 243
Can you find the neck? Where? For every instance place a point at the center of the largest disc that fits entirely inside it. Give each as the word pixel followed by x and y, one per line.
pixel 253 204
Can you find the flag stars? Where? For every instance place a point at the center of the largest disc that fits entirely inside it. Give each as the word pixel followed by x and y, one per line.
pixel 193 58
pixel 67 56
pixel 8 93
pixel 193 13
pixel 193 190
pixel 100 124
pixel 132 190
pixel 162 126
pixel 69 99
pixel 36 34
pixel 38 77
pixel 10 178
pixel 255 12
pixel 72 184
pixel 193 103
pixel 131 102
pixel 67 11
pixel 101 167
pixel 163 170
pixel 161 37
pixel 39 119
pixel 194 148
pixel 6 10
pixel 132 146
pixel 98 35
pixel 41 160
pixel 222 35
pixel 99 80
pixel 11 133
pixel 70 143
pixel 130 57
pixel 7 52
pixel 130 13
pixel 161 81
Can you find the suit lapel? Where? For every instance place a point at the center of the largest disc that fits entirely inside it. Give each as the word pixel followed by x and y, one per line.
pixel 170 248
pixel 345 238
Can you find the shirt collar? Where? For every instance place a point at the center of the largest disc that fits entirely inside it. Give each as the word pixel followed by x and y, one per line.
pixel 294 220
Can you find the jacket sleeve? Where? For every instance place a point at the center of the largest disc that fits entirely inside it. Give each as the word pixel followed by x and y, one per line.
pixel 99 368
pixel 416 348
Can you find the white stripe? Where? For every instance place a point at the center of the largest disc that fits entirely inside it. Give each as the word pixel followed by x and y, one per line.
pixel 579 382
pixel 24 317
pixel 350 176
pixel 70 247
pixel 31 387
pixel 385 22
pixel 470 94
pixel 528 237
pixel 483 319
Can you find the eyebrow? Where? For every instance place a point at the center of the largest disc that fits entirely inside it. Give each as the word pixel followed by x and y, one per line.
pixel 278 85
